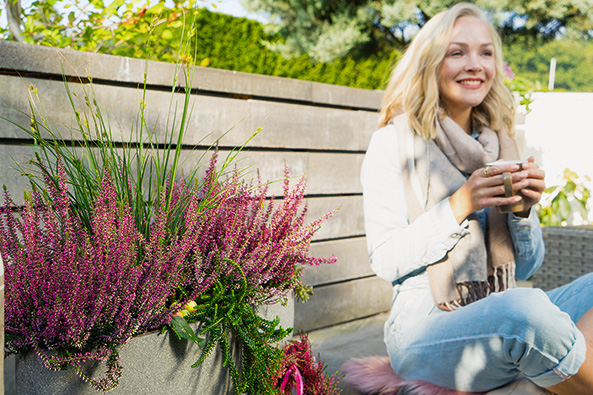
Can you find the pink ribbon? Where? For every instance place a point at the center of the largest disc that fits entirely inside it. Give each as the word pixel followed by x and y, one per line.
pixel 298 378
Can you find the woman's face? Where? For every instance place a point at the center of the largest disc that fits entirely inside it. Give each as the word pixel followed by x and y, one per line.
pixel 467 71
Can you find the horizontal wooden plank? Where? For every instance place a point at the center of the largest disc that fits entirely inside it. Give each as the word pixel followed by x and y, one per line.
pixel 352 261
pixel 339 303
pixel 210 116
pixel 325 173
pixel 310 127
pixel 348 221
pixel 9 174
pixel 38 59
pixel 333 173
pixel 283 125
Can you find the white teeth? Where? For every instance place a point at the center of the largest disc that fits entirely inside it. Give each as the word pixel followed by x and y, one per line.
pixel 470 82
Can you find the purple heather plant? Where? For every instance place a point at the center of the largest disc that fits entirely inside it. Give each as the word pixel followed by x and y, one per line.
pixel 74 294
pixel 269 239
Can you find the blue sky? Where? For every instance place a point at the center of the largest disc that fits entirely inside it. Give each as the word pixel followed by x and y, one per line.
pixel 231 7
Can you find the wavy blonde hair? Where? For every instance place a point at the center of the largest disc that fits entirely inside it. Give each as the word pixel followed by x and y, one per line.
pixel 414 89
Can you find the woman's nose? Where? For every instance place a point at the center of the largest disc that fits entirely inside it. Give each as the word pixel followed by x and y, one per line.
pixel 473 63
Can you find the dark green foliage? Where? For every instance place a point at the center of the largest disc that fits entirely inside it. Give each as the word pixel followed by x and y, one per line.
pixel 227 318
pixel 328 30
pixel 231 43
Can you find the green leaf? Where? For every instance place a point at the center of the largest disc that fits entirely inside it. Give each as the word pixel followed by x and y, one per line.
pixel 564 207
pixel 167 35
pixel 183 330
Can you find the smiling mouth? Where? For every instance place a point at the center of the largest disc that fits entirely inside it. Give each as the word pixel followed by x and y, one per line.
pixel 470 82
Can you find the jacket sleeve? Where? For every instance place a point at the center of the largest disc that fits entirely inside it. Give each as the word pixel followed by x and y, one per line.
pixel 396 246
pixel 528 243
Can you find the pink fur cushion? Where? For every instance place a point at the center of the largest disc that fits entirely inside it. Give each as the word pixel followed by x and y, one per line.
pixel 374 375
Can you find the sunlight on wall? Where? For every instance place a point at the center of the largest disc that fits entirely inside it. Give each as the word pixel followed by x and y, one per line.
pixel 559 134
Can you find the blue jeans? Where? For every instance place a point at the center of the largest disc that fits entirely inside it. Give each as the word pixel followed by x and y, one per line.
pixel 489 343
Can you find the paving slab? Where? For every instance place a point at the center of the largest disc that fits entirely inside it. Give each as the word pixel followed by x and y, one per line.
pixel 337 344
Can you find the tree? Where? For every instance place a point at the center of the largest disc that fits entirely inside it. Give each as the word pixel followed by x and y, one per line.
pixel 327 30
pixel 541 19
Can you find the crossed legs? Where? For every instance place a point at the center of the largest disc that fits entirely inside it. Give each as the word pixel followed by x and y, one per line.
pixel 493 341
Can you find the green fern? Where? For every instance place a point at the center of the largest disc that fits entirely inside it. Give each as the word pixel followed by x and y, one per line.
pixel 225 315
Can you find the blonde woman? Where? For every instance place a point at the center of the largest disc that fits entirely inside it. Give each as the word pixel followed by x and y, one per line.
pixel 433 230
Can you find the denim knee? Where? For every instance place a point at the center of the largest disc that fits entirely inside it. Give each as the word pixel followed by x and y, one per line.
pixel 537 336
pixel 529 312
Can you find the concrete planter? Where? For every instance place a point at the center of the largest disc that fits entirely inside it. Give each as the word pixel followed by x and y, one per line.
pixel 152 364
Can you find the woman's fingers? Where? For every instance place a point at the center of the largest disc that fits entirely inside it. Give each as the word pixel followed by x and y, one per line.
pixel 488 188
pixel 490 191
pixel 496 182
pixel 491 171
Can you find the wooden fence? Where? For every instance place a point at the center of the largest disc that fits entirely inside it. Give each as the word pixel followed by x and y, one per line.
pixel 319 130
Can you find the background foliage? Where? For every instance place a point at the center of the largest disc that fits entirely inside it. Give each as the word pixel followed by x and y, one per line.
pixel 573 64
pixel 222 41
pixel 330 30
pixel 301 40
pixel 567 203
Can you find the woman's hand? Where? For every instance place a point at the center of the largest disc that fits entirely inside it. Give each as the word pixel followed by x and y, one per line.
pixel 486 189
pixel 535 180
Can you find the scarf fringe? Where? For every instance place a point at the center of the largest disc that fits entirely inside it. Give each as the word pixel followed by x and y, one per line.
pixel 471 291
pixel 503 277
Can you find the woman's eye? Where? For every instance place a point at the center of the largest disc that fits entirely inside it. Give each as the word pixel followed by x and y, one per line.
pixel 455 53
pixel 487 53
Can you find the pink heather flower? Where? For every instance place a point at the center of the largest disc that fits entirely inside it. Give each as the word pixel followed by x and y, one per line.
pixel 268 238
pixel 508 71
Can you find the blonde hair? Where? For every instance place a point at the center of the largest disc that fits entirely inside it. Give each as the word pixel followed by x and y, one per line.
pixel 413 88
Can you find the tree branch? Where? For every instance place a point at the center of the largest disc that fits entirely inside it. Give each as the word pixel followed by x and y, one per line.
pixel 13 15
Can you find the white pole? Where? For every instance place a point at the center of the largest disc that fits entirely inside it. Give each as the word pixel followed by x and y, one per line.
pixel 552 74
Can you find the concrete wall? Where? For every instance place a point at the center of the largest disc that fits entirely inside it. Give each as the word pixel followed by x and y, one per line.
pixel 559 133
pixel 319 130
